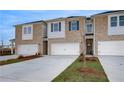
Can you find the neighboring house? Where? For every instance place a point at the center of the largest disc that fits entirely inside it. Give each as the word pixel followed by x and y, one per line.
pixel 65 35
pixel 109 33
pixel 31 38
pixel 12 45
pixel 100 34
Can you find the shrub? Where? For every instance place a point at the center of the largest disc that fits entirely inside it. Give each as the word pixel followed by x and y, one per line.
pixel 20 57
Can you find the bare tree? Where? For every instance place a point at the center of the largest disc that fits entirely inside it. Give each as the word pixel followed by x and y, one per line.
pixel 84 48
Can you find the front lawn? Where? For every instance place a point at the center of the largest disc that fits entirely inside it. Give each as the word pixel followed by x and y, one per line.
pixel 77 72
pixel 19 59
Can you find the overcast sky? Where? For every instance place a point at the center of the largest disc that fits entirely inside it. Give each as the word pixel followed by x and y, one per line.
pixel 9 18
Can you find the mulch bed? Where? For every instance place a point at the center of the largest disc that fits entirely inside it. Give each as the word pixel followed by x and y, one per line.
pixel 91 58
pixel 88 59
pixel 19 59
pixel 28 57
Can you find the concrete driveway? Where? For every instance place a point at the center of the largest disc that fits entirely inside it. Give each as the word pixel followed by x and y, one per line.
pixel 114 67
pixel 41 69
pixel 8 57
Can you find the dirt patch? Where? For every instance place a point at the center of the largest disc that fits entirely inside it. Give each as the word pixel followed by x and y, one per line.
pixel 66 78
pixel 88 71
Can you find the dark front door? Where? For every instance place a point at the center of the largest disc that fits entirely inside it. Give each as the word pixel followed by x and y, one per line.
pixel 89 46
pixel 45 45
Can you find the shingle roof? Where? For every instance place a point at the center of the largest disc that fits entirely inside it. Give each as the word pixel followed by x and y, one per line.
pixel 73 16
pixel 107 12
pixel 31 22
pixel 55 19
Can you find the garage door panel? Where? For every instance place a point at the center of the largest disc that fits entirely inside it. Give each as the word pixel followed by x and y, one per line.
pixel 28 49
pixel 111 48
pixel 65 49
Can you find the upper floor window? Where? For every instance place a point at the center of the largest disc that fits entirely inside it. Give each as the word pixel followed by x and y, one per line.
pixel 89 28
pixel 73 25
pixel 114 21
pixel 27 32
pixel 121 20
pixel 27 29
pixel 56 27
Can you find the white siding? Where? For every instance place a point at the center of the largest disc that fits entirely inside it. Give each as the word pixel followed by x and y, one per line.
pixel 119 30
pixel 27 36
pixel 58 34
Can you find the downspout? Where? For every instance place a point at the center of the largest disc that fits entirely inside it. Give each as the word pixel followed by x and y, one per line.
pixel 48 53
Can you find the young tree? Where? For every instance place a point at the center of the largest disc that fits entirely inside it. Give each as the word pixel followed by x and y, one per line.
pixel 83 41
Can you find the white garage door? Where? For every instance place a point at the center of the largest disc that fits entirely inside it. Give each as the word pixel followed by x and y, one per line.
pixel 27 49
pixel 111 48
pixel 65 49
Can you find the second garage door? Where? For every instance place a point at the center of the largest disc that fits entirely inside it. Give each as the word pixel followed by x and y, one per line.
pixel 65 49
pixel 111 48
pixel 30 49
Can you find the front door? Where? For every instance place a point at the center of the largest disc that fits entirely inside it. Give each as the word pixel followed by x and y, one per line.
pixel 89 46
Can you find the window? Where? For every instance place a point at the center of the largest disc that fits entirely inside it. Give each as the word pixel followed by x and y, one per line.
pixel 114 21
pixel 27 30
pixel 121 20
pixel 73 25
pixel 56 27
pixel 89 28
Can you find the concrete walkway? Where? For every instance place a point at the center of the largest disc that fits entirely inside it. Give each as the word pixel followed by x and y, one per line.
pixel 2 58
pixel 40 69
pixel 114 67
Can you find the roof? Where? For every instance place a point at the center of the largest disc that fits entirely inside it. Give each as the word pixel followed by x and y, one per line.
pixel 31 22
pixel 108 12
pixel 74 16
pixel 60 18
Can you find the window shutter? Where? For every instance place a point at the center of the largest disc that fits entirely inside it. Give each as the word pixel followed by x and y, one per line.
pixel 69 26
pixel 51 27
pixel 77 25
pixel 59 26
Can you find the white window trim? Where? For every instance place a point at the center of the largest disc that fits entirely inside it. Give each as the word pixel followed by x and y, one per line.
pixel 27 36
pixel 121 20
pixel 116 21
pixel 59 34
pixel 58 26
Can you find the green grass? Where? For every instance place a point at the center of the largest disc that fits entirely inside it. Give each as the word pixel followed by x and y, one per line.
pixel 73 74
